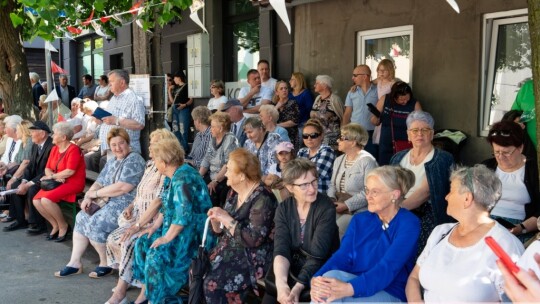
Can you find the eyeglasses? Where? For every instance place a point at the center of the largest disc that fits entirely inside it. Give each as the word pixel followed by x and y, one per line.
pixel 304 186
pixel 344 138
pixel 213 87
pixel 503 153
pixel 169 80
pixel 423 131
pixel 312 135
pixel 375 192
pixel 504 133
pixel 356 75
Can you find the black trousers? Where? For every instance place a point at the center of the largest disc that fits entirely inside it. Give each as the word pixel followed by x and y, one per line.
pixel 18 202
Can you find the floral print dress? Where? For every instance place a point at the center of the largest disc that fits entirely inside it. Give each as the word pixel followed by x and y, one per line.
pixel 330 112
pixel 239 260
pixel 290 111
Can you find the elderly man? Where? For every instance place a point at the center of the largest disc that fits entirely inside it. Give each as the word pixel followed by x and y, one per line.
pixel 29 184
pixel 255 95
pixel 126 109
pixel 361 94
pixel 12 143
pixel 37 89
pixel 234 108
pixel 89 87
pixel 65 92
pixel 263 66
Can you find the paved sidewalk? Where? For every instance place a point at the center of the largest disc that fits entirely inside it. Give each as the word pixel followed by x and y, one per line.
pixel 27 271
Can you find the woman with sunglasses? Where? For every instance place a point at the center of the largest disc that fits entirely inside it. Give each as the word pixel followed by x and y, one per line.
pixel 431 167
pixel 394 108
pixel 519 206
pixel 217 89
pixel 347 184
pixel 378 250
pixel 305 235
pixel 317 152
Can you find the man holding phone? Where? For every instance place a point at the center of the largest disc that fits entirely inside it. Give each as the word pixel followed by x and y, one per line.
pixel 361 94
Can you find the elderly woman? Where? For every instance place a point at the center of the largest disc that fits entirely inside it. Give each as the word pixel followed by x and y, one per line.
pixel 214 164
pixel 519 205
pixel 143 211
pixel 217 89
pixel 65 165
pixel 163 252
pixel 350 169
pixel 394 108
pixel 269 117
pixel 288 112
pixel 113 191
pixel 243 226
pixel 261 143
pixel 317 152
pixel 3 135
pixel 201 119
pixel 299 92
pixel 327 107
pixel 103 91
pixel 431 167
pixel 305 235
pixel 456 264
pixel 22 158
pixel 374 260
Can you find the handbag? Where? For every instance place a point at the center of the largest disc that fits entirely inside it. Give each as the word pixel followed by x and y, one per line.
pixel 398 145
pixel 51 184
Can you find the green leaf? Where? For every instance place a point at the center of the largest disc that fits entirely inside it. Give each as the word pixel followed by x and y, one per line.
pixel 99 5
pixel 16 19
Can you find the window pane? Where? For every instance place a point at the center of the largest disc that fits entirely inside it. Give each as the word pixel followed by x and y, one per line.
pixel 395 48
pixel 87 45
pixel 246 46
pixel 98 43
pixel 98 65
pixel 512 67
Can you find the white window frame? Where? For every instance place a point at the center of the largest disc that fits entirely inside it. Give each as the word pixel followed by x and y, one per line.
pixel 362 36
pixel 490 30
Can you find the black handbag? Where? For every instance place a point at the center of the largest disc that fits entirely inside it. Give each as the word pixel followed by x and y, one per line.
pixel 49 184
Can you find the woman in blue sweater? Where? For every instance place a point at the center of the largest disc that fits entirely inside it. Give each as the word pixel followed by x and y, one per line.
pixel 378 250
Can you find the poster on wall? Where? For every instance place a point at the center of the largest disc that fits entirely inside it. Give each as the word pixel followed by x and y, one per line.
pixel 140 84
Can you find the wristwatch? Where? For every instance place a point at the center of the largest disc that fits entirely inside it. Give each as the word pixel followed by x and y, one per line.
pixel 117 121
pixel 138 225
pixel 523 228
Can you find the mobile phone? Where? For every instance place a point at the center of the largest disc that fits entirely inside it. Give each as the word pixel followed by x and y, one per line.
pixel 373 109
pixel 506 224
pixel 501 254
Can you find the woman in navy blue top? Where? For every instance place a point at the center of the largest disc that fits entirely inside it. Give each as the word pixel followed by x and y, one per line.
pixel 378 250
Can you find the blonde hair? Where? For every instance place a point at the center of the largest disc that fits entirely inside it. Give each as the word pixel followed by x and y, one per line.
pixel 223 119
pixel 24 128
pixel 169 151
pixel 162 134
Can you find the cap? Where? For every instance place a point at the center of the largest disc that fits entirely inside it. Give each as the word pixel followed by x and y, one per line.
pixel 230 103
pixel 40 125
pixel 284 146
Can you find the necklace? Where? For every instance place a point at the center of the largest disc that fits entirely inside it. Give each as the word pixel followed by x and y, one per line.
pixel 417 159
pixel 241 201
pixel 470 231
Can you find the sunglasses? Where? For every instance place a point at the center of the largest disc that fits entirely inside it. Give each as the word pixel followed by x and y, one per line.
pixel 504 133
pixel 312 135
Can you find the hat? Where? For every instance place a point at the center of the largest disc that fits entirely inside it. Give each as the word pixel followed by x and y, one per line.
pixel 40 125
pixel 230 103
pixel 284 146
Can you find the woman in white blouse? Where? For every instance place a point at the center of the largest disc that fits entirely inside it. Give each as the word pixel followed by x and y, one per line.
pixel 217 89
pixel 347 184
pixel 456 264
pixel 519 206
pixel 103 91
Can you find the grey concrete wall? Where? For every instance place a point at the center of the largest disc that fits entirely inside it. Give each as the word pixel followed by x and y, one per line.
pixel 122 43
pixel 446 60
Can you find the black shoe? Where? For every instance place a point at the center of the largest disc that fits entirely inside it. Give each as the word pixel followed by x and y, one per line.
pixel 14 226
pixel 63 238
pixel 35 230
pixel 51 237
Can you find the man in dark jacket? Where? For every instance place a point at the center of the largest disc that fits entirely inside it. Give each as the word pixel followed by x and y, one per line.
pixel 65 92
pixel 29 185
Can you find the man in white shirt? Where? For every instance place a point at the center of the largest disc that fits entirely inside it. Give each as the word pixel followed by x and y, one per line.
pixel 263 66
pixel 255 95
pixel 12 144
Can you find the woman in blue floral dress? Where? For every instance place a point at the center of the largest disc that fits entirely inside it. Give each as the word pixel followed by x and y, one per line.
pixel 244 226
pixel 164 251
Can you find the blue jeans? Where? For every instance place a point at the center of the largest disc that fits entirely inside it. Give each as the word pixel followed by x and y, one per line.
pixel 381 296
pixel 180 126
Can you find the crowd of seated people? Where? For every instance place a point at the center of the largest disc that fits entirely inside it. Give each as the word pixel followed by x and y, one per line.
pixel 293 197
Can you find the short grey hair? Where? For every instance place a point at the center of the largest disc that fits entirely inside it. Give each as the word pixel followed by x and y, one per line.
pixel 202 114
pixel 12 121
pixel 326 80
pixel 357 133
pixel 64 128
pixel 420 115
pixel 120 73
pixel 395 178
pixel 76 101
pixel 90 106
pixel 34 76
pixel 62 76
pixel 271 110
pixel 482 182
pixel 253 122
pixel 297 168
